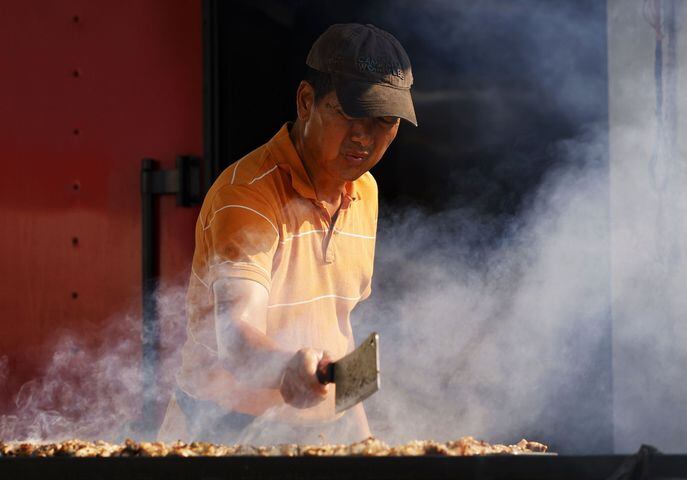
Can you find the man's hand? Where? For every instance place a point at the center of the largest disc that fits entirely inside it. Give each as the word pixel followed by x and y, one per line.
pixel 300 386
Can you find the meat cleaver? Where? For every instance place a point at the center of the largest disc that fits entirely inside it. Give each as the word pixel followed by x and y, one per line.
pixel 356 375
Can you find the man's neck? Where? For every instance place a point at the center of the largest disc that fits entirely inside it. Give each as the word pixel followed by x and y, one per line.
pixel 327 189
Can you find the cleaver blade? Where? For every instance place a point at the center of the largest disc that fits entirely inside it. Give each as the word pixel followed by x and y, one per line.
pixel 356 375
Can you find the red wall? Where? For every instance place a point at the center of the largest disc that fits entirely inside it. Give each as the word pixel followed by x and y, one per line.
pixel 86 90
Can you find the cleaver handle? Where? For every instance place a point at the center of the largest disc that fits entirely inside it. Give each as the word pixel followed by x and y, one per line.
pixel 325 373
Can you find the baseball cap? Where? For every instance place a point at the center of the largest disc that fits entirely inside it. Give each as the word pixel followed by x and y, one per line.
pixel 370 70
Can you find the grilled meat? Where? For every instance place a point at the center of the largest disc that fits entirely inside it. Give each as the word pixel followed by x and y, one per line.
pixel 369 447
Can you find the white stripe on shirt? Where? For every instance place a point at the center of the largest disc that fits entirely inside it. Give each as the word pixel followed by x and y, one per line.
pixel 302 302
pixel 214 214
pixel 263 175
pixel 240 264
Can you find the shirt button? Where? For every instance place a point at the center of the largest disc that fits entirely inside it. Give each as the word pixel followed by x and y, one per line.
pixel 330 257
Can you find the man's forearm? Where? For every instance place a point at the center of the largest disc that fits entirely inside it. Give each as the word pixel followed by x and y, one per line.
pixel 251 356
pixel 240 324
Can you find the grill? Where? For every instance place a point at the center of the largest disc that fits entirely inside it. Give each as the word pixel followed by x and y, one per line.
pixel 644 465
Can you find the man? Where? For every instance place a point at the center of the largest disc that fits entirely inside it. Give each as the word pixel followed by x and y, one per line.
pixel 284 252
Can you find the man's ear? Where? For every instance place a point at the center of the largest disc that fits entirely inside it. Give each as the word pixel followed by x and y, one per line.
pixel 305 100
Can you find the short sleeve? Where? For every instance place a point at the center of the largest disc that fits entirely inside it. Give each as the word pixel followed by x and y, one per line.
pixel 241 236
pixel 366 293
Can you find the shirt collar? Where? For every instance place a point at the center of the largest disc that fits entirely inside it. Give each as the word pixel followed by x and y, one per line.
pixel 287 158
pixel 351 194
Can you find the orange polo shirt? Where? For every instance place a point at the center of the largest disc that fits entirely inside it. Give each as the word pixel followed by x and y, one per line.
pixel 261 221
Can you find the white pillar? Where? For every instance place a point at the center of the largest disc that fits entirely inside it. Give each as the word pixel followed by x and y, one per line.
pixel 648 227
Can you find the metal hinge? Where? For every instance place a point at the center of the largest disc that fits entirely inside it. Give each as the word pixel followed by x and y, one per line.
pixel 184 182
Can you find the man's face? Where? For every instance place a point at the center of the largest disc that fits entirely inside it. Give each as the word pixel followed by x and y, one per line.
pixel 344 147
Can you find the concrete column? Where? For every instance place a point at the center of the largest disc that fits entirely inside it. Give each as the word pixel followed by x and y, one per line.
pixel 648 222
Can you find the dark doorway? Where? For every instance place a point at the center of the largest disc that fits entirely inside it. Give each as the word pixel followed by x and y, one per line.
pixel 496 84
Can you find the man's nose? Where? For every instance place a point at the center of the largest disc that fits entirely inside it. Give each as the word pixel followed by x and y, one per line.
pixel 361 131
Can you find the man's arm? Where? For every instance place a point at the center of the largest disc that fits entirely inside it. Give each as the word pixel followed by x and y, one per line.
pixel 241 326
pixel 252 357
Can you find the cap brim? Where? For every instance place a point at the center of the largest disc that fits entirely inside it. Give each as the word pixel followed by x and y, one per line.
pixel 363 99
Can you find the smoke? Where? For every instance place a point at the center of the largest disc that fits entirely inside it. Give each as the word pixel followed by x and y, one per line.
pixel 564 321
pixel 91 388
pixel 487 340
pixel 561 320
